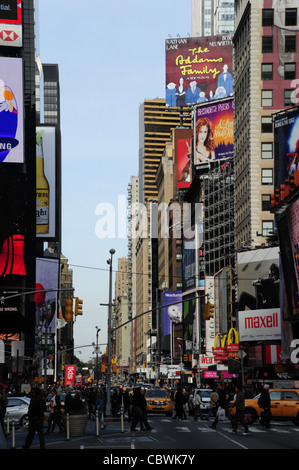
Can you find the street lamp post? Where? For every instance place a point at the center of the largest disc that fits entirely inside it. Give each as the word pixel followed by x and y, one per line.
pixel 97 358
pixel 109 261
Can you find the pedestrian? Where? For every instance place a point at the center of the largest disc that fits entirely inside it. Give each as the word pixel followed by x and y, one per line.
pixel 99 407
pixel 3 405
pixel 36 410
pixel 222 403
pixel 198 403
pixel 68 403
pixel 264 402
pixel 239 416
pixel 179 404
pixel 143 407
pixel 213 404
pixel 137 413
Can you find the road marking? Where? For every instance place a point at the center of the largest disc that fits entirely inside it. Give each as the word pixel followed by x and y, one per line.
pixel 183 429
pixel 232 440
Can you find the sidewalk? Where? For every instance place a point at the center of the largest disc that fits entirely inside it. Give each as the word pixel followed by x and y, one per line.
pixel 56 440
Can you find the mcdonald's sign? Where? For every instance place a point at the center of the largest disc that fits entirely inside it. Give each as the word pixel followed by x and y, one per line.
pixel 226 346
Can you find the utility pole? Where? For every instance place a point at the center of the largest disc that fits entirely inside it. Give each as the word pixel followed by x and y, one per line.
pixel 109 261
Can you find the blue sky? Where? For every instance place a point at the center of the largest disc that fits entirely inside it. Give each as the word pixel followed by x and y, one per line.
pixel 111 57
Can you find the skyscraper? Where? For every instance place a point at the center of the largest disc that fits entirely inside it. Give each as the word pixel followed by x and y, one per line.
pixel 156 122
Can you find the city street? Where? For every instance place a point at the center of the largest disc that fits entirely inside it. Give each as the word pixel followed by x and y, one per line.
pixel 173 436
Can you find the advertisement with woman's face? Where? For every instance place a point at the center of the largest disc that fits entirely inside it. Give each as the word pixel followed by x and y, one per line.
pixel 214 132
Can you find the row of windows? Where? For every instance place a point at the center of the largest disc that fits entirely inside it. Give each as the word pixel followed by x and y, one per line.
pixel 267 97
pixel 290 44
pixel 289 71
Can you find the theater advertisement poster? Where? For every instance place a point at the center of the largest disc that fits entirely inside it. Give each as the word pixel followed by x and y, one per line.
pixel 11 23
pixel 11 110
pixel 198 69
pixel 214 131
pixel 286 145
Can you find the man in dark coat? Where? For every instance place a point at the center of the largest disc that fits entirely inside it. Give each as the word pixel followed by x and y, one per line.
pixel 36 412
pixel 264 402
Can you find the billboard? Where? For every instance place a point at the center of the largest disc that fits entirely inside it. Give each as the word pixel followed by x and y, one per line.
pixel 286 145
pixel 189 260
pixel 172 314
pixel 259 317
pixel 288 233
pixel 11 23
pixel 259 325
pixel 47 278
pixel 46 181
pixel 213 131
pixel 11 110
pixel 198 69
pixel 184 162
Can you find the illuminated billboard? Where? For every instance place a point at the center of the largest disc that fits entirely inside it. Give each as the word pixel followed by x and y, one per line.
pixel 11 110
pixel 214 131
pixel 11 23
pixel 46 180
pixel 286 145
pixel 183 153
pixel 198 69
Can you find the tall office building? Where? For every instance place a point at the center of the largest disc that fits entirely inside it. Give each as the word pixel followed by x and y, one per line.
pixel 156 122
pixel 265 66
pixel 212 17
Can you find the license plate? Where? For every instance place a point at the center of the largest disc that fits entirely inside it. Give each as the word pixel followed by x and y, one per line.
pixel 158 406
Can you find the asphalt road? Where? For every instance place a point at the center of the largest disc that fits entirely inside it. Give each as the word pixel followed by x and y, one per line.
pixel 168 437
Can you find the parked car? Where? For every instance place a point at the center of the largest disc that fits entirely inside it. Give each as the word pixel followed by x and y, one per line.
pixel 17 410
pixel 205 398
pixel 158 400
pixel 284 405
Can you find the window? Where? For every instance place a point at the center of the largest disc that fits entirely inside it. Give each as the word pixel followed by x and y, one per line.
pixel 266 124
pixel 267 44
pixel 267 228
pixel 266 202
pixel 267 18
pixel 290 43
pixel 267 176
pixel 291 17
pixel 289 71
pixel 291 395
pixel 267 71
pixel 267 98
pixel 288 97
pixel 267 150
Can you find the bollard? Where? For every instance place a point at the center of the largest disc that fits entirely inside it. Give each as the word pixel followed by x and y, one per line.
pixel 97 423
pixel 122 414
pixel 67 427
pixel 7 423
pixel 13 434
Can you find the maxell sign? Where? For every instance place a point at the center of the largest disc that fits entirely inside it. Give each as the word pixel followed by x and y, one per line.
pixel 256 325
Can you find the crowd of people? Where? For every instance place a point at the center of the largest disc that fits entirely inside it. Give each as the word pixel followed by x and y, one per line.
pixel 131 402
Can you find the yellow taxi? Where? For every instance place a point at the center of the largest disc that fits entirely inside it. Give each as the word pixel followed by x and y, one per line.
pixel 284 405
pixel 158 400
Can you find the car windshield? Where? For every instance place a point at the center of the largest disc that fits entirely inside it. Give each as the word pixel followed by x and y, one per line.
pixel 205 394
pixel 157 394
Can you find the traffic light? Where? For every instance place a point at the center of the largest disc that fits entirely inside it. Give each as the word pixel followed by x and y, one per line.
pixel 114 368
pixel 78 307
pixel 209 311
pixel 68 312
